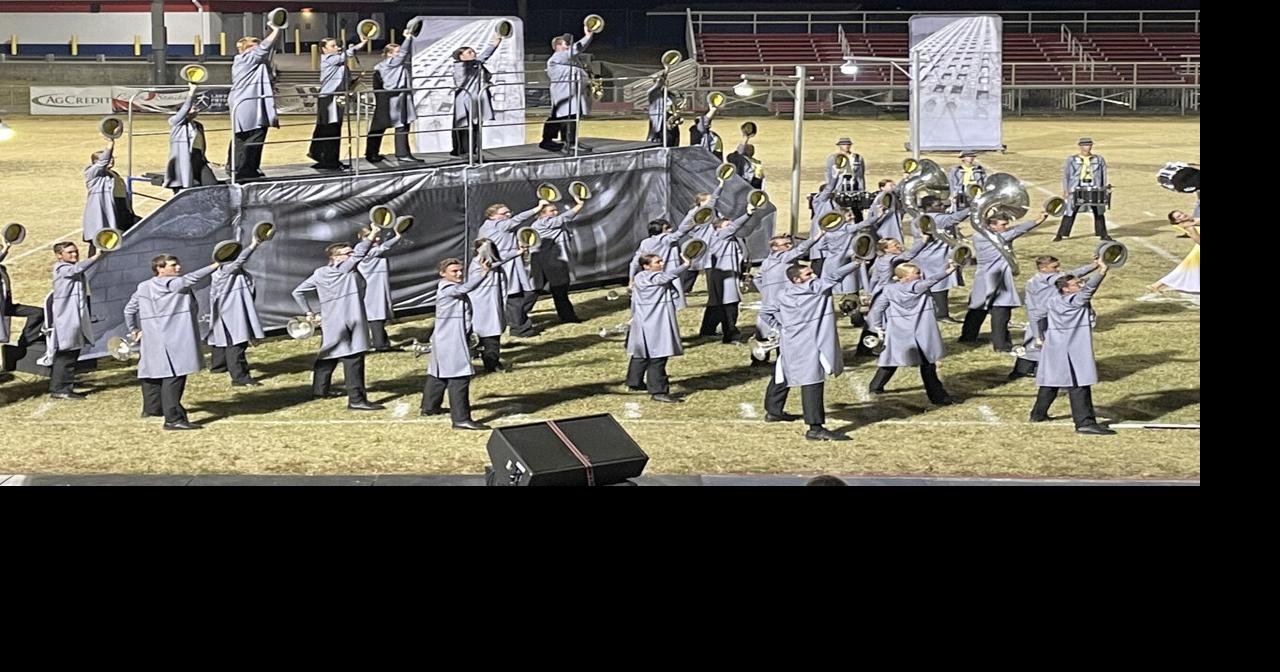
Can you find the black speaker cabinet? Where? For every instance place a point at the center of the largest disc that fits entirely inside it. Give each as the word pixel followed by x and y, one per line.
pixel 591 450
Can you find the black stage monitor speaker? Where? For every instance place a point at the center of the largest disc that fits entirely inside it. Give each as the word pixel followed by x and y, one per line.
pixel 591 450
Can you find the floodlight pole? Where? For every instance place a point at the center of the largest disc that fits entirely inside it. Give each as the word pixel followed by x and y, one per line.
pixel 796 150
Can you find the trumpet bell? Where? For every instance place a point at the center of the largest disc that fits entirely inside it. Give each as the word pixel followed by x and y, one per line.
pixel 749 128
pixel 108 240
pixel 381 216
pixel 111 128
pixel 504 28
pixel 403 223
pixel 1055 206
pixel 671 58
pixel 593 23
pixel 548 192
pixel 758 198
pixel 715 99
pixel 368 29
pixel 703 215
pixel 195 73
pixel 299 328
pixel 886 200
pixel 693 249
pixel 1113 253
pixel 1018 351
pixel 725 171
pixel 14 233
pixel 264 231
pixel 226 251
pixel 831 221
pixel 910 165
pixel 119 349
pixel 580 190
pixel 278 18
pixel 760 349
pixel 528 237
pixel 863 246
pixel 488 251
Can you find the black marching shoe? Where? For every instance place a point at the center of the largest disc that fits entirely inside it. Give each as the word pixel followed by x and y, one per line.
pixel 666 399
pixel 945 401
pixel 1038 418
pixel 375 159
pixel 470 424
pixel 68 396
pixel 365 406
pixel 824 434
pixel 409 159
pixel 331 394
pixel 785 417
pixel 144 415
pixel 550 146
pixel 1095 429
pixel 426 413
pixel 181 425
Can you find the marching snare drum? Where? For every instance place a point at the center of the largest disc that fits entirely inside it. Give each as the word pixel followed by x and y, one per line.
pixel 1179 177
pixel 1092 197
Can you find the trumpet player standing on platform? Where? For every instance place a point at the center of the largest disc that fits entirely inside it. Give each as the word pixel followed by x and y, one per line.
pixel 903 317
pixel 450 365
pixel 472 99
pixel 162 314
pixel 343 325
pixel 654 334
pixel 569 100
pixel 253 104
pixel 107 205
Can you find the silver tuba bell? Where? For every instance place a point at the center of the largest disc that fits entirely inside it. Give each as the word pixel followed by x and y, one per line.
pixel 1002 196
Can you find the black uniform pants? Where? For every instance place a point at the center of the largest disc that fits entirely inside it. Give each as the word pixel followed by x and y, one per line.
pixel 775 400
pixel 459 396
pixel 163 396
pixel 352 372
pixel 650 372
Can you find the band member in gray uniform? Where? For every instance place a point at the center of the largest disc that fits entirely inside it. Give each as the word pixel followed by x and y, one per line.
pixel 500 226
pixel 1087 170
pixel 993 285
pixel 162 315
pixel 72 323
pixel 664 242
pixel 936 253
pixel 662 104
pixel 1067 358
pixel 472 99
pixel 188 166
pixel 902 315
pixel 393 103
pixel 233 319
pixel 964 175
pixel 343 326
pixel 568 76
pixel 107 205
pixel 450 365
pixel 701 232
pixel 802 314
pixel 887 218
pixel 772 278
pixel 724 270
pixel 334 82
pixel 9 309
pixel 654 336
pixel 253 104
pixel 377 288
pixel 701 135
pixel 550 263
pixel 857 167
pixel 488 305
pixel 1039 290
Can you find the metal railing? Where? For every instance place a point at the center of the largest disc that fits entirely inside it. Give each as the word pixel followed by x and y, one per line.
pixel 860 21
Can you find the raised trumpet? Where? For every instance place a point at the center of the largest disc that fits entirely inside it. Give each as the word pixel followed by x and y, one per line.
pixel 194 73
pixel 580 190
pixel 300 327
pixel 278 18
pixel 548 192
pixel 528 238
pixel 671 58
pixel 749 128
pixel 1055 206
pixel 111 128
pixel 693 248
pixel 703 215
pixel 593 23
pixel 715 99
pixel 368 29
pixel 419 348
pixel 14 233
pixel 961 254
pixel 122 349
pixel 863 247
pixel 108 240
pixel 831 221
pixel 403 223
pixel 381 216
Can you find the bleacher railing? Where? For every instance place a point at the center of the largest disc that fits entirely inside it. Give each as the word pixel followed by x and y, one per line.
pixel 1024 22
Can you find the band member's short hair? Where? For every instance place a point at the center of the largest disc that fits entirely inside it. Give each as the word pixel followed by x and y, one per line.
pixel 794 271
pixel 883 244
pixel 1061 283
pixel 784 238
pixel 332 250
pixel 444 265
pixel 929 201
pixel 997 218
pixel 492 210
pixel 325 42
pixel 699 197
pixel 904 269
pixel 364 231
pixel 1172 219
pixel 657 226
pixel 93 158
pixel 559 40
pixel 481 242
pixel 246 42
pixel 391 46
pixel 648 259
pixel 161 261
pixel 884 182
pixel 1045 260
pixel 457 53
pixel 59 247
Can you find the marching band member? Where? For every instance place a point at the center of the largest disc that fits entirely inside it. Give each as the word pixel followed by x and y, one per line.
pixel 1067 358
pixel 500 226
pixel 1039 290
pixel 252 103
pixel 72 323
pixel 1089 170
pixel 9 309
pixel 107 205
pixel 472 98
pixel 188 166
pixel 233 319
pixel 393 104
pixel 488 314
pixel 724 269
pixel 911 337
pixel 550 263
pixel 936 253
pixel 963 176
pixel 654 335
pixel 450 365
pixel 772 277
pixel 993 286
pixel 377 289
pixel 569 100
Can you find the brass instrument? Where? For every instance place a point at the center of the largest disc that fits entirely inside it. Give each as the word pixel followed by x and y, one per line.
pixel 580 190
pixel 122 349
pixel 264 231
pixel 548 192
pixel 278 18
pixel 715 99
pixel 300 327
pixel 671 58
pixel 1002 196
pixel 504 29
pixel 1113 253
pixel 368 29
pixel 108 240
pixel 403 223
pixel 757 198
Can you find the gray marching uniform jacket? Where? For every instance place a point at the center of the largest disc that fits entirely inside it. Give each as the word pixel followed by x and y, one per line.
pixel 772 277
pixel 550 263
pixel 904 312
pixel 888 221
pixel 568 78
pixel 377 281
pixel 165 310
pixel 72 323
pixel 803 315
pixel 993 283
pixel 1039 290
pixel 233 317
pixel 343 325
pixel 1071 174
pixel 667 246
pixel 503 234
pixel 471 84
pixel 660 99
pixel 450 340
pixel 859 171
pixel 184 135
pixel 488 317
pixel 394 110
pixel 1067 357
pixel 882 268
pixel 100 204
pixel 334 80
pixel 932 260
pixel 654 332
pixel 6 293
pixel 724 252
pixel 955 178
pixel 251 83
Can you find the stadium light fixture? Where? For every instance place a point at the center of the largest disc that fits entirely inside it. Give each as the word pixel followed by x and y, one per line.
pixel 743 88
pixel 850 67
